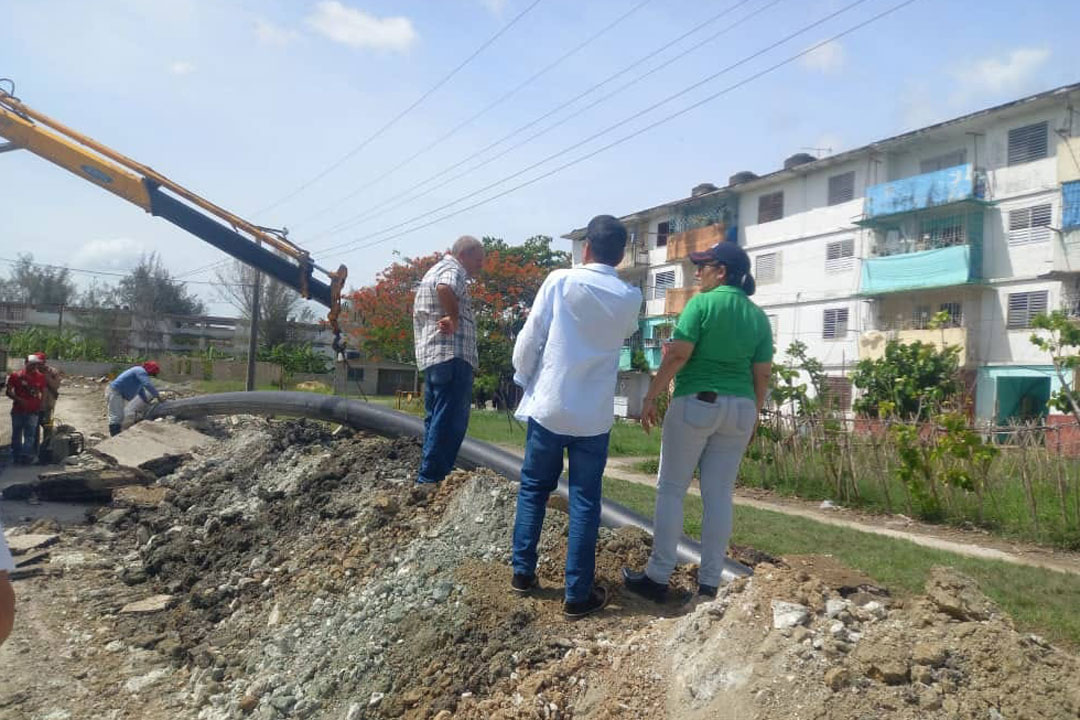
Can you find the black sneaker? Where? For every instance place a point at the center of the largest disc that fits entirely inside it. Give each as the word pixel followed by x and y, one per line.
pixel 707 590
pixel 597 601
pixel 641 584
pixel 524 584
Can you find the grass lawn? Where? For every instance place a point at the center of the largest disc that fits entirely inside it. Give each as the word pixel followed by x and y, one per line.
pixel 209 387
pixel 1040 601
pixel 627 438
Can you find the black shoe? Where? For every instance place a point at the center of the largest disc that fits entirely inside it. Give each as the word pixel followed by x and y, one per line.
pixel 597 601
pixel 707 590
pixel 114 430
pixel 524 584
pixel 643 585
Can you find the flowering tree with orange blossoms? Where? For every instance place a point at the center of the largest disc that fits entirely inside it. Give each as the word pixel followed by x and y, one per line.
pixel 502 294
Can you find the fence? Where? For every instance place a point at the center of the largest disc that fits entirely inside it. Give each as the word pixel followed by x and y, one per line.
pixel 1020 480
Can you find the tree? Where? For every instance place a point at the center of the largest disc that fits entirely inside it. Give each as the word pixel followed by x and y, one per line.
pixel 1062 341
pixel 503 294
pixel 37 284
pixel 382 312
pixel 101 319
pixel 279 304
pixel 150 292
pixel 150 288
pixel 912 380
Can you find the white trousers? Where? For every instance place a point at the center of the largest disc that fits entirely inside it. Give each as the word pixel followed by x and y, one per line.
pixel 116 404
pixel 712 436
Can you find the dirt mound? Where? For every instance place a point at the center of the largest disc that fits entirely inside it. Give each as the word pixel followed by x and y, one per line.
pixel 288 572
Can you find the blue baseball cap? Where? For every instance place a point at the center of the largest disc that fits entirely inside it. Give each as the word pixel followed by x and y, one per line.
pixel 734 258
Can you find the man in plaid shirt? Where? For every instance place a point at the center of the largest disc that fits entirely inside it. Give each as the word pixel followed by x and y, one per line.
pixel 445 336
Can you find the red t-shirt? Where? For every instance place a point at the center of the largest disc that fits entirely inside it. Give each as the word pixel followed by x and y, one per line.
pixel 29 388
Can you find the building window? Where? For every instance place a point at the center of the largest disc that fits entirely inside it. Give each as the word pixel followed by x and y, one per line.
pixel 661 282
pixel 837 393
pixel 767 268
pixel 770 207
pixel 662 232
pixel 663 332
pixel 774 323
pixel 954 313
pixel 840 255
pixel 842 188
pixel 1024 306
pixel 1029 225
pixel 1028 143
pixel 941 232
pixel 835 323
pixel 356 374
pixel 940 162
pixel 922 317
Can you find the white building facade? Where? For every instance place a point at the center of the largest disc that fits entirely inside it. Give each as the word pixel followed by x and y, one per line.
pixel 977 217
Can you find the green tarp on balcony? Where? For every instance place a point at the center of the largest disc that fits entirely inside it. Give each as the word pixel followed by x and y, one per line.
pixel 912 271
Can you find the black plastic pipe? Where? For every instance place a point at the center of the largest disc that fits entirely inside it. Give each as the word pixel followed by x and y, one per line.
pixel 384 421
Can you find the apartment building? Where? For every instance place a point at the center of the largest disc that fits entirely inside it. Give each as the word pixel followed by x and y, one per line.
pixel 977 217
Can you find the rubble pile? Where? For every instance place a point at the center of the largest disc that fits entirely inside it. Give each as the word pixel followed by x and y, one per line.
pixel 286 571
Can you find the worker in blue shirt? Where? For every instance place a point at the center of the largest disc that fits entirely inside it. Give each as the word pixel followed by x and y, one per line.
pixel 133 382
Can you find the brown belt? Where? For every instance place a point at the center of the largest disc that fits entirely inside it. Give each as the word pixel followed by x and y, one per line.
pixel 707 396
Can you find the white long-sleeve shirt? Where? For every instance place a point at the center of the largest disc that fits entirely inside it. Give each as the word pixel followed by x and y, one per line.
pixel 567 355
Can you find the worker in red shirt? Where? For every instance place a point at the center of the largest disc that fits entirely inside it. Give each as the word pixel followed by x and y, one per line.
pixel 26 388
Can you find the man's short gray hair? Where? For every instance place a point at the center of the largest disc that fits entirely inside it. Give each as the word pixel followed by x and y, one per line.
pixel 464 244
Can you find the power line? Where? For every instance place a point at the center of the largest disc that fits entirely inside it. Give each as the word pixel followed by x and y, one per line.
pixel 355 244
pixel 107 273
pixel 394 120
pixel 371 213
pixel 701 25
pixel 503 98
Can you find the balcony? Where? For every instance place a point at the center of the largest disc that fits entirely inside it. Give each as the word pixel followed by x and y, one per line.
pixel 680 245
pixel 635 258
pixel 959 184
pixel 676 299
pixel 872 343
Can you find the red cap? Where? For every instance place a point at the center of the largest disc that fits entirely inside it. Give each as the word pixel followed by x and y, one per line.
pixel 42 355
pixel 151 367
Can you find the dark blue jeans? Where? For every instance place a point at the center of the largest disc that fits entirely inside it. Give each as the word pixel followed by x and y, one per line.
pixel 539 477
pixel 447 398
pixel 23 435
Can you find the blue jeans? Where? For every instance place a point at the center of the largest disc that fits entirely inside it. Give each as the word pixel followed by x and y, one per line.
pixel 539 477
pixel 23 435
pixel 447 398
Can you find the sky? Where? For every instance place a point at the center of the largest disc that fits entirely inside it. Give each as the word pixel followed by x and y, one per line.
pixel 291 113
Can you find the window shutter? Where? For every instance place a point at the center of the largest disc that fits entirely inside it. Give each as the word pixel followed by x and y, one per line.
pixel 840 255
pixel 1023 307
pixel 767 268
pixel 771 207
pixel 955 311
pixel 1030 225
pixel 663 280
pixel 1028 143
pixel 841 188
pixel 662 232
pixel 835 323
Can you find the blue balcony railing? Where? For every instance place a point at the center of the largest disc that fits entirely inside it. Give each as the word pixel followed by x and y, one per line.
pixel 923 192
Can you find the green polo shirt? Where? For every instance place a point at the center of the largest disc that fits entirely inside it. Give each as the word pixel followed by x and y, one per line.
pixel 730 333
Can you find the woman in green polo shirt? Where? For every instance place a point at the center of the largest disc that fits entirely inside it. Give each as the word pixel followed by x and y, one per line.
pixel 721 359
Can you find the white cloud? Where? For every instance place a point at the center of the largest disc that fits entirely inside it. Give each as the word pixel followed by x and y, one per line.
pixel 824 59
pixel 270 34
pixel 494 6
pixel 991 75
pixel 181 67
pixel 111 254
pixel 357 28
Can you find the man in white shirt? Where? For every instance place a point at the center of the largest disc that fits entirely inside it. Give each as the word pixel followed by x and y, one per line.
pixel 567 360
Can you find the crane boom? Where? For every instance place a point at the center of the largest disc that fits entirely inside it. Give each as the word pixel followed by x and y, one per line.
pixel 264 249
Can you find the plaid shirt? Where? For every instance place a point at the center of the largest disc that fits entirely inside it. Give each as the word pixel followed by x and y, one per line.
pixel 432 346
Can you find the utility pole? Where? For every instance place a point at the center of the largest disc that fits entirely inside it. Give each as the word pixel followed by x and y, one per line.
pixel 253 335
